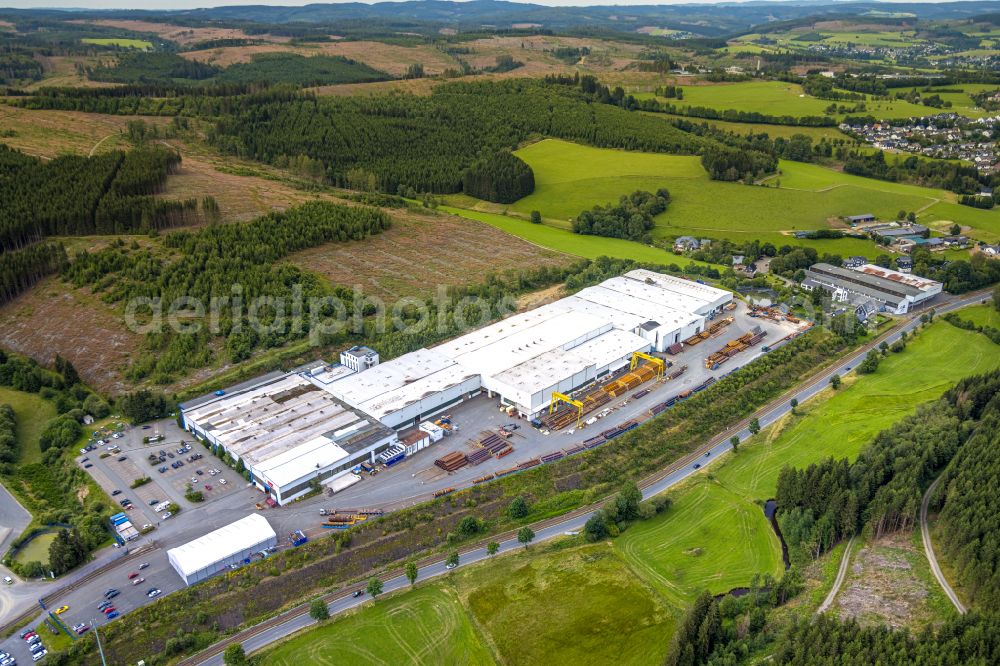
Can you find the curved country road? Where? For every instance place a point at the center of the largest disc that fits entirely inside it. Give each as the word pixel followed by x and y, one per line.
pixel 925 534
pixel 841 574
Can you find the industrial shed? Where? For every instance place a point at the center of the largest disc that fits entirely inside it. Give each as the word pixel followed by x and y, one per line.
pixel 893 291
pixel 213 553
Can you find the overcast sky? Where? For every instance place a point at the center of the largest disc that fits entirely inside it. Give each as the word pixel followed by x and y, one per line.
pixel 192 4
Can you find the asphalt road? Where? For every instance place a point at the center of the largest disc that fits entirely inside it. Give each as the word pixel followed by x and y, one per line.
pixel 716 448
pixel 925 535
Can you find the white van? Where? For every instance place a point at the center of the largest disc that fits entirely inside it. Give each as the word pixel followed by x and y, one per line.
pixel 162 506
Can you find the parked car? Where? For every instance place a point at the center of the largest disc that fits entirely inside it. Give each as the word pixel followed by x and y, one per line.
pixel 208 487
pixel 146 427
pixel 146 526
pixel 138 580
pixel 87 466
pixel 144 565
pixel 200 473
pixel 61 610
pixel 112 615
pixel 115 493
pixel 122 458
pixel 25 635
pixel 111 594
pixel 222 481
pixel 80 628
pixel 104 604
pixel 153 502
pixel 85 458
pixel 109 609
pixel 194 479
pixel 133 575
pixel 166 515
pixel 170 455
pixel 38 655
pixel 153 592
pixel 7 580
pixel 162 469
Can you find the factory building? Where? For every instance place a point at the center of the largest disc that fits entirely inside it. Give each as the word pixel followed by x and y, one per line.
pixel 892 291
pixel 320 421
pixel 287 432
pixel 215 552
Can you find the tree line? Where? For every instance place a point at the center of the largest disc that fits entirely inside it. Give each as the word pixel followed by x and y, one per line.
pixel 427 143
pixel 72 194
pixel 20 269
pixel 631 218
pixel 948 175
pixel 881 491
pixel 969 519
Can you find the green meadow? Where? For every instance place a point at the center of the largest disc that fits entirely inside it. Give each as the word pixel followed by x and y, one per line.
pixel 562 240
pixel 983 315
pixel 716 536
pixel 547 605
pixel 426 626
pixel 570 178
pixel 32 412
pixel 119 41
pixel 778 98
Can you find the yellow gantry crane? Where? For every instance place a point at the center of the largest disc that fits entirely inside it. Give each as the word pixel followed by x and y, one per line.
pixel 661 367
pixel 561 397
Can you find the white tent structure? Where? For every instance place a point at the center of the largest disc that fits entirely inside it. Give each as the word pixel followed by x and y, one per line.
pixel 208 555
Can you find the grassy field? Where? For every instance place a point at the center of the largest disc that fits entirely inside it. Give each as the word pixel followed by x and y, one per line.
pixel 588 247
pixel 573 606
pixel 983 315
pixel 712 538
pixel 426 626
pixel 716 536
pixel 779 98
pixel 570 178
pixel 37 549
pixel 32 413
pixel 119 41
pixel 786 131
pixel 576 606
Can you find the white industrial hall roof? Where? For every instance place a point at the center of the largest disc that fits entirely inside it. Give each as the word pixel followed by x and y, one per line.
pixel 392 385
pixel 274 418
pixel 610 347
pixel 224 542
pixel 707 294
pixel 559 329
pixel 297 463
pixel 641 307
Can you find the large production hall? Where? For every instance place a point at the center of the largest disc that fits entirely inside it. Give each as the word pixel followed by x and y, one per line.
pixel 322 421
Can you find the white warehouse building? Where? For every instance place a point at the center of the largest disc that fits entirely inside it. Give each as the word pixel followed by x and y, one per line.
pixel 322 420
pixel 526 357
pixel 213 553
pixel 288 432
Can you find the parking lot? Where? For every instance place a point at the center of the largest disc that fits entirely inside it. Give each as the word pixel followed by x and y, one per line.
pixel 172 464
